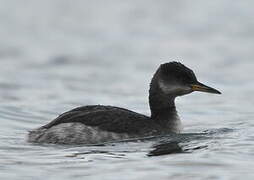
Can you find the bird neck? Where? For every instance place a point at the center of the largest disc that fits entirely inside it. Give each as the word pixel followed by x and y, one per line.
pixel 162 106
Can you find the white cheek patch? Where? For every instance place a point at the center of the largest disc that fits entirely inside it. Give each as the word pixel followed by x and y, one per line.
pixel 172 88
pixel 167 88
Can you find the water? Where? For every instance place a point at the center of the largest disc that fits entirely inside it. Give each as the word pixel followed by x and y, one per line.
pixel 56 55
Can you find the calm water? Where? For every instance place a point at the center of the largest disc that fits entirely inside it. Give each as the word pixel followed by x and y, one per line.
pixel 58 54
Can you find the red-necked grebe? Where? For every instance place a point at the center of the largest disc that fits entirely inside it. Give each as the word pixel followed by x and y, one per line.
pixel 99 124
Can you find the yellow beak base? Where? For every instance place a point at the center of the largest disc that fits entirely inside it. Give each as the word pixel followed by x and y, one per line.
pixel 203 88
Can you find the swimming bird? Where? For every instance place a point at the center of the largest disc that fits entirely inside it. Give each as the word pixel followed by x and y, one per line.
pixel 95 124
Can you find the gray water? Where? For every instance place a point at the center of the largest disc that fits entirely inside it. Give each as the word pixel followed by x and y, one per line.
pixel 59 54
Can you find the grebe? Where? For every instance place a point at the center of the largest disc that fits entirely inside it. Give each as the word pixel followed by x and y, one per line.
pixel 99 124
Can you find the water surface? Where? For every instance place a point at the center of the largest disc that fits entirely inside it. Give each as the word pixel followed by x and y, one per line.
pixel 56 55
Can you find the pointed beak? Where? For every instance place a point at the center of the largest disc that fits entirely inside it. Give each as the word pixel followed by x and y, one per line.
pixel 203 88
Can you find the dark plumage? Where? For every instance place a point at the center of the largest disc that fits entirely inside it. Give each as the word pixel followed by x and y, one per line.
pixel 98 124
pixel 177 71
pixel 107 118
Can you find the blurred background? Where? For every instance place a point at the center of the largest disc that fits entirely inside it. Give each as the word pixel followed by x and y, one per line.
pixel 59 54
